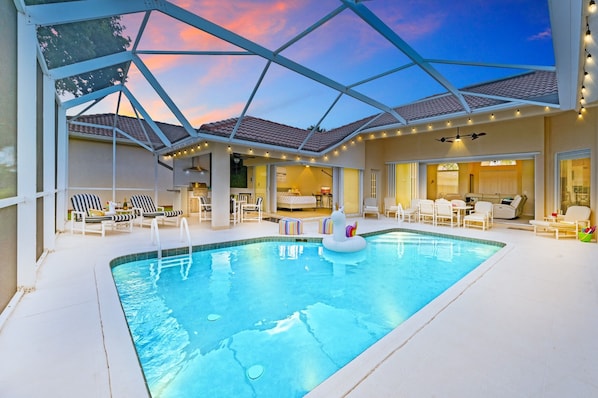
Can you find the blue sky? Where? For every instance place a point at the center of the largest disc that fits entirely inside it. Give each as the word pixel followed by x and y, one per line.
pixel 210 88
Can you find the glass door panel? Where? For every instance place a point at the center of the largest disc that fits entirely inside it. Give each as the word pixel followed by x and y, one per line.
pixel 574 179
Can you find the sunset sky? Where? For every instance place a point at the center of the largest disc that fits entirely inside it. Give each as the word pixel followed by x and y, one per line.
pixel 210 88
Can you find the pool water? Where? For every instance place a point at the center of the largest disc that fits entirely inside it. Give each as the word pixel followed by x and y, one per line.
pixel 275 319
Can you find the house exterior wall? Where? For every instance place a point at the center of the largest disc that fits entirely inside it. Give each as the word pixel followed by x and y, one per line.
pixel 539 138
pixel 90 171
pixel 542 136
pixel 503 137
pixel 565 133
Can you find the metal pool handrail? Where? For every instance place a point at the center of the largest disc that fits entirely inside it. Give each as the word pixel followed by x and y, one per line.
pixel 155 236
pixel 184 228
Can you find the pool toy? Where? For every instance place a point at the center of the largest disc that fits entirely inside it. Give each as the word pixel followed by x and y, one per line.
pixel 343 237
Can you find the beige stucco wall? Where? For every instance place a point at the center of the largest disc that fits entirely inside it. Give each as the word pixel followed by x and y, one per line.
pixel 90 171
pixel 512 136
pixel 540 136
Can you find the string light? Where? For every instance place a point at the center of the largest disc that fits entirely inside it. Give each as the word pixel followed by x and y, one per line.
pixel 588 59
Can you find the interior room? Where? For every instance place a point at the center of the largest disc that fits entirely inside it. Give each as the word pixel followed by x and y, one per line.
pixel 497 181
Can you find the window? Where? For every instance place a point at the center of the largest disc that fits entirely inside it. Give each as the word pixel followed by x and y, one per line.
pixel 374 184
pixel 448 178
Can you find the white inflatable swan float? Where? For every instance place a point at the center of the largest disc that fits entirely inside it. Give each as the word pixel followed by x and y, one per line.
pixel 339 241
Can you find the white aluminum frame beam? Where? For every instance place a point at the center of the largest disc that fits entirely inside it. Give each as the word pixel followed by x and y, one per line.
pixel 164 96
pixel 241 42
pixel 371 19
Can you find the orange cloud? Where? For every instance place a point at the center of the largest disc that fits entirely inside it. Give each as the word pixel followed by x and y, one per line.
pixel 259 22
pixel 208 116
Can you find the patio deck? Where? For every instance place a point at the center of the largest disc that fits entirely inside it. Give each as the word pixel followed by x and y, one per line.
pixel 523 325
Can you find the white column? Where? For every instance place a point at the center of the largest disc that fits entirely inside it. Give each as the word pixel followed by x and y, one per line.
pixel 338 187
pixel 62 164
pixel 272 189
pixel 26 153
pixel 49 162
pixel 220 186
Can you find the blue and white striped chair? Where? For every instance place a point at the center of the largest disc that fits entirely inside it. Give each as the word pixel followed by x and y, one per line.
pixel 88 213
pixel 146 209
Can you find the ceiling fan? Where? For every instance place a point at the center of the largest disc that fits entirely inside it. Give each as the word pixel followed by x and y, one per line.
pixel 459 137
pixel 237 159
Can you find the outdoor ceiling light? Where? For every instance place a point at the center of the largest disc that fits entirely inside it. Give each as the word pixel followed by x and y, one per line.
pixel 459 137
pixel 592 6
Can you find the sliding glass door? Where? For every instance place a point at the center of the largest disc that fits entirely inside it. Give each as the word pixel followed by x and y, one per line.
pixel 573 183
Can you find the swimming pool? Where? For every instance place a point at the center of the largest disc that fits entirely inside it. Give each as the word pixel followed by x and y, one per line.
pixel 276 318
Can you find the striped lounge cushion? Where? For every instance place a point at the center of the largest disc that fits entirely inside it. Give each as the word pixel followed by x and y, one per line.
pixel 325 226
pixel 147 204
pixel 290 226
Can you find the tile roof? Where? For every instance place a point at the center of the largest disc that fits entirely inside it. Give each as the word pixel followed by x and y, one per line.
pixel 533 86
pixel 130 125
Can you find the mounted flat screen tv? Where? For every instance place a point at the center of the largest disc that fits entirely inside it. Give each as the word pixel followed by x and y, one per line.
pixel 238 173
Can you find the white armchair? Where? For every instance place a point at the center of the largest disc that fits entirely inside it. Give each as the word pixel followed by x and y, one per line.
pixel 252 211
pixel 411 213
pixel 390 207
pixel 205 209
pixel 510 211
pixel 480 216
pixel 370 206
